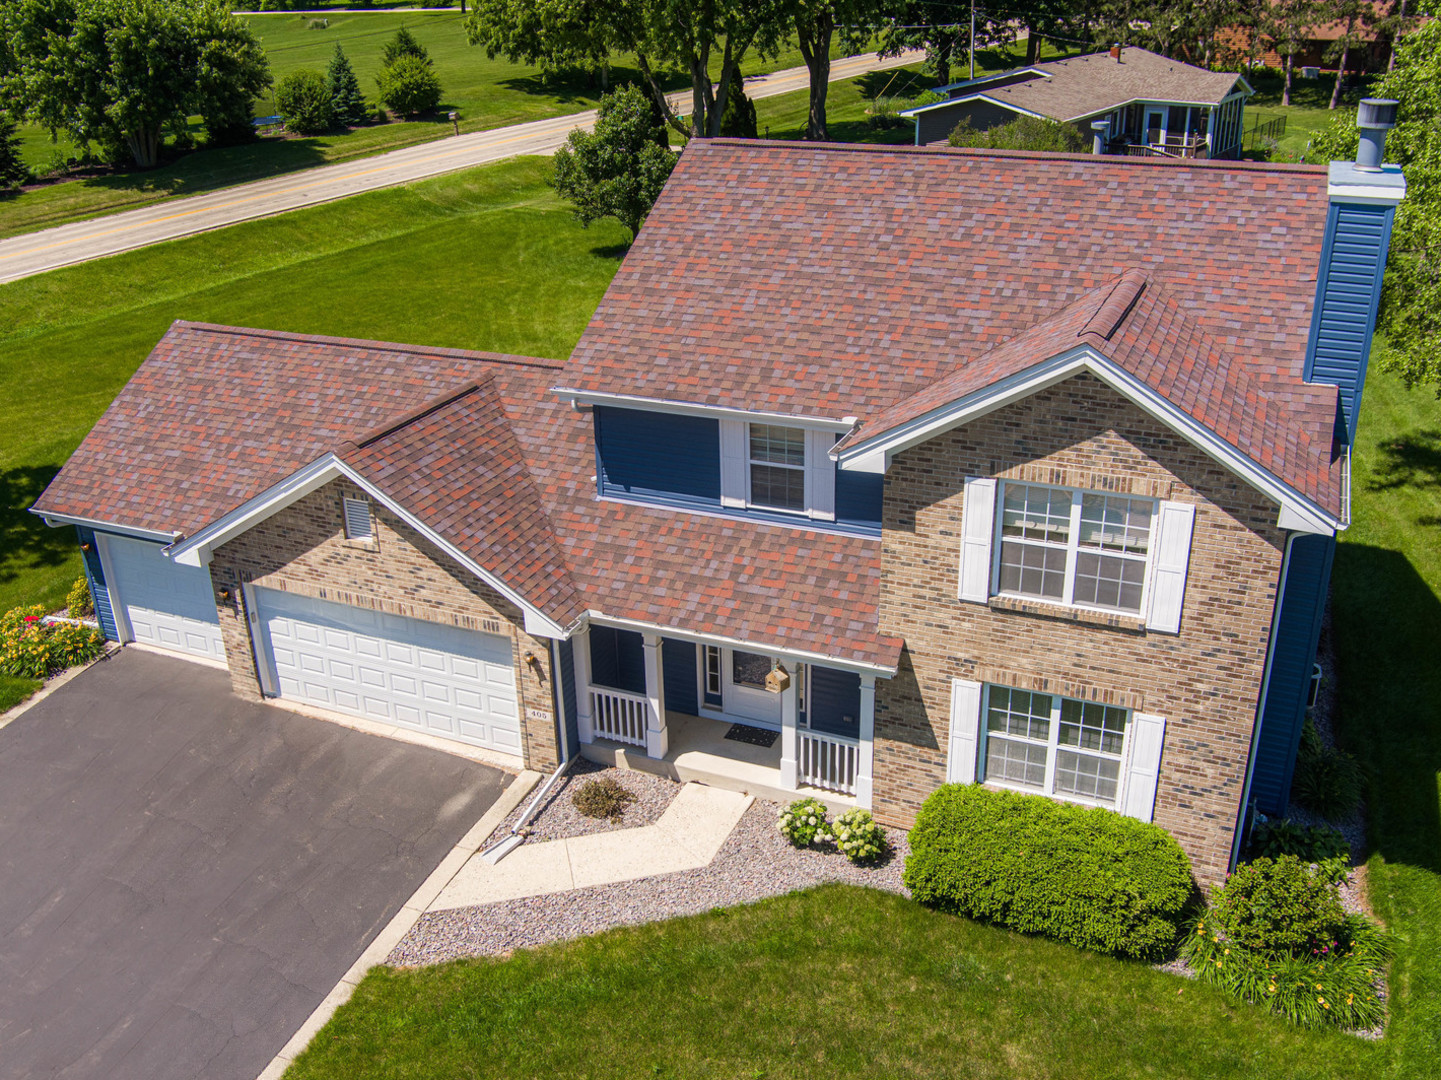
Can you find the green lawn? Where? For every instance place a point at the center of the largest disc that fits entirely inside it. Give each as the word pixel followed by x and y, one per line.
pixel 487 93
pixel 1307 114
pixel 833 982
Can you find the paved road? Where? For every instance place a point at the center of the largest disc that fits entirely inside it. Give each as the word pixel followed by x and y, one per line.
pixel 34 253
pixel 184 875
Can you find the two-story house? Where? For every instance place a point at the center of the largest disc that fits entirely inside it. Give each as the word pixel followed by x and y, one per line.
pixel 875 468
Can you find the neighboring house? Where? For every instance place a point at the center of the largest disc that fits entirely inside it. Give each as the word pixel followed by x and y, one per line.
pixel 1244 44
pixel 1153 105
pixel 935 465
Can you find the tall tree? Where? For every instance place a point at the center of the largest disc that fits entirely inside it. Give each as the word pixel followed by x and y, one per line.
pixel 345 97
pixel 1411 293
pixel 1355 18
pixel 816 24
pixel 12 166
pixel 943 30
pixel 1287 25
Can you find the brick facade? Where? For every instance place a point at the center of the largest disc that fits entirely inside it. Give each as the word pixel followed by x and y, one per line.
pixel 303 550
pixel 1206 680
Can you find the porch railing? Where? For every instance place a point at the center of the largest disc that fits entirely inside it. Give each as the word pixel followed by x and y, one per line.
pixel 619 715
pixel 828 762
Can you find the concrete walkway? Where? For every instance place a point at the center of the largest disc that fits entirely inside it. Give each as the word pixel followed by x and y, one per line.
pixel 63 245
pixel 687 836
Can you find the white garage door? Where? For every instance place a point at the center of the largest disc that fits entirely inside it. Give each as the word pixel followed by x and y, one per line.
pixel 167 605
pixel 458 684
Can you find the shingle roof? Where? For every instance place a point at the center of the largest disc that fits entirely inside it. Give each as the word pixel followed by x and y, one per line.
pixel 1086 85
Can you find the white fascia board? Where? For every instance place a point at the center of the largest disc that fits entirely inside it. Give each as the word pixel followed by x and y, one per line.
pixel 57 520
pixel 690 408
pixel 802 655
pixel 1306 515
pixel 1157 102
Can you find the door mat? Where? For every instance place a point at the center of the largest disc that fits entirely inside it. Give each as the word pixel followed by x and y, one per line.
pixel 753 735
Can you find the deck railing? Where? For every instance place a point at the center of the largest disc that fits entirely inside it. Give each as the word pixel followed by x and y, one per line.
pixel 619 715
pixel 827 761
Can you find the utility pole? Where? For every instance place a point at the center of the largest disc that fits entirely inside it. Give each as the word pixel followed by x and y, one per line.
pixel 973 39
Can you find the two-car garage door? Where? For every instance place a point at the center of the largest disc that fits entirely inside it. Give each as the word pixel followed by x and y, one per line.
pixel 454 683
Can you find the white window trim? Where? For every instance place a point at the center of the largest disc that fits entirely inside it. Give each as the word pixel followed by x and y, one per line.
pixel 804 468
pixel 983 737
pixel 818 467
pixel 1072 548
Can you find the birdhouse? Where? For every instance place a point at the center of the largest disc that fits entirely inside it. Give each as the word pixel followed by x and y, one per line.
pixel 779 680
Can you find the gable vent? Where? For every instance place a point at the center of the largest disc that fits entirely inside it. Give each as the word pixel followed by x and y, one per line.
pixel 358 524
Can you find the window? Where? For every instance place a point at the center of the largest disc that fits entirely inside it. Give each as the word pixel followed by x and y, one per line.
pixel 357 520
pixel 778 467
pixel 750 669
pixel 712 675
pixel 1074 547
pixel 1057 746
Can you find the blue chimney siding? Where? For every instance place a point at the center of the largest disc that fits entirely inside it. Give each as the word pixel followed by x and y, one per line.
pixel 1293 655
pixel 658 457
pixel 95 575
pixel 1348 292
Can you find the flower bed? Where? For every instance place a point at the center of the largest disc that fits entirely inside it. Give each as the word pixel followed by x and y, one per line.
pixel 32 648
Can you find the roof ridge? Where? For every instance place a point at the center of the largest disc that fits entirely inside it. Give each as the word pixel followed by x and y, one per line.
pixel 372 346
pixel 435 404
pixel 1118 303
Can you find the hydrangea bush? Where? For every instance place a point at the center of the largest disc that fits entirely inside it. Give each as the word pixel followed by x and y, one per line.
pixel 805 822
pixel 33 649
pixel 859 837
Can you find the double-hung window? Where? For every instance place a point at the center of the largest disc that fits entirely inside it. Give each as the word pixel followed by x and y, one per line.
pixel 1074 547
pixel 778 467
pixel 1054 745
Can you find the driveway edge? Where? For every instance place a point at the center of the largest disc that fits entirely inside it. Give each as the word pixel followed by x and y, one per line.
pixel 410 912
pixel 55 682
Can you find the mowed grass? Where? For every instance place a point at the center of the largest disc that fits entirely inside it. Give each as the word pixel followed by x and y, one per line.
pixel 486 259
pixel 487 94
pixel 1308 113
pixel 1386 609
pixel 833 982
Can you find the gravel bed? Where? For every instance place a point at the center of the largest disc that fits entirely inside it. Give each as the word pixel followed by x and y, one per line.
pixel 558 818
pixel 755 862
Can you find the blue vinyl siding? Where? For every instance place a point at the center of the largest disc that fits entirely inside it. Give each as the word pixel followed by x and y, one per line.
pixel 617 659
pixel 678 670
pixel 658 457
pixel 835 695
pixel 570 715
pixel 95 574
pixel 1293 654
pixel 1348 290
pixel 858 500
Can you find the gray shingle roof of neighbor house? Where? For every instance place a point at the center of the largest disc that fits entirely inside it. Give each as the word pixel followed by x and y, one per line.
pixel 1095 83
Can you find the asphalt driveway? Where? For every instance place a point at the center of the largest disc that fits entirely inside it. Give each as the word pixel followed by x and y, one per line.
pixel 184 875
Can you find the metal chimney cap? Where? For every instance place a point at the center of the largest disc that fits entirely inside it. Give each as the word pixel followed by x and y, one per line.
pixel 1377 114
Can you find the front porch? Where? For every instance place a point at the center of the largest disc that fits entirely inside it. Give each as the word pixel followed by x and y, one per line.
pixel 665 706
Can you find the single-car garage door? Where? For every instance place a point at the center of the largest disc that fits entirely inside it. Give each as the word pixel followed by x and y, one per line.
pixel 165 604
pixel 458 684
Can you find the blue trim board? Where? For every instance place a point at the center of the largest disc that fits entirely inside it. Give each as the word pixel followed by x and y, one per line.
pixel 570 715
pixel 1293 654
pixel 678 668
pixel 99 590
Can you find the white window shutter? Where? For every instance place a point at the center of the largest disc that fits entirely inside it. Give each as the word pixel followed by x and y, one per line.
pixel 1172 540
pixel 1143 766
pixel 735 461
pixel 978 518
pixel 821 474
pixel 965 731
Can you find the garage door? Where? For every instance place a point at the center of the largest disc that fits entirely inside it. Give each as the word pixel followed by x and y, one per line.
pixel 458 684
pixel 167 605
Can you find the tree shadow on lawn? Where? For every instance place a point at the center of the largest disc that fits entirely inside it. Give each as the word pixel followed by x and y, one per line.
pixel 1412 461
pixel 575 86
pixel 27 543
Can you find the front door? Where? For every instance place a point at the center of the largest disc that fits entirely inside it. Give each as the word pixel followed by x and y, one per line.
pixel 746 696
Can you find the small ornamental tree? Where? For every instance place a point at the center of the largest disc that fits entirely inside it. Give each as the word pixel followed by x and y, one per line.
pixel 12 168
pixel 403 44
pixel 409 86
pixel 303 98
pixel 739 121
pixel 618 170
pixel 346 99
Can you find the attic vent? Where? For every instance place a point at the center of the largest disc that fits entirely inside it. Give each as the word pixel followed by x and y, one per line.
pixel 357 520
pixel 1117 305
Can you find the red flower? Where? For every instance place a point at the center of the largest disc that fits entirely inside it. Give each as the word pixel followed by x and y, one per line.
pixel 32 618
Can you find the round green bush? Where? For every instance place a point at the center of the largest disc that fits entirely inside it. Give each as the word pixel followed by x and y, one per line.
pixel 804 822
pixel 303 98
pixel 1280 907
pixel 859 837
pixel 409 86
pixel 1082 875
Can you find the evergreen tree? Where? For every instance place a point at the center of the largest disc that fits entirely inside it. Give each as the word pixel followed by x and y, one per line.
pixel 345 96
pixel 403 44
pixel 12 168
pixel 739 119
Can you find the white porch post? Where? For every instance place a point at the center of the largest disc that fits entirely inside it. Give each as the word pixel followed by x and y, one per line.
pixel 656 742
pixel 580 660
pixel 790 714
pixel 865 763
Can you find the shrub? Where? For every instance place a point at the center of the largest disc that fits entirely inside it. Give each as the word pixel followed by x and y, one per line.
pixel 79 603
pixel 1309 843
pixel 345 96
pixel 602 798
pixel 1278 906
pixel 13 170
pixel 884 112
pixel 1327 781
pixel 318 24
pixel 1025 133
pixel 33 649
pixel 303 98
pixel 804 822
pixel 859 837
pixel 739 119
pixel 1086 876
pixel 401 45
pixel 409 86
